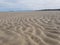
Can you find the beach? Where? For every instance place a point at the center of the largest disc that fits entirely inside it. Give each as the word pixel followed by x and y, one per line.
pixel 30 28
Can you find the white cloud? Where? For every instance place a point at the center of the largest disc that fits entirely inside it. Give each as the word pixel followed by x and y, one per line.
pixel 39 4
pixel 30 4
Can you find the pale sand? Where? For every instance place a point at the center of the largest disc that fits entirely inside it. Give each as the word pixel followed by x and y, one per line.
pixel 30 28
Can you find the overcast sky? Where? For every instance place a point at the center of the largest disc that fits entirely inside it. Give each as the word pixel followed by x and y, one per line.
pixel 28 4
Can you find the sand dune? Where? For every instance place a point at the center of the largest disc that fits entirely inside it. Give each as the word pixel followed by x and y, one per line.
pixel 30 28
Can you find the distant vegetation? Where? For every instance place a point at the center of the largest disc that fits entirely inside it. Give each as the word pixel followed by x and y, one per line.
pixel 49 10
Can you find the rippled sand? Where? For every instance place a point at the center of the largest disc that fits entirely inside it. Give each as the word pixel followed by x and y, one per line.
pixel 30 28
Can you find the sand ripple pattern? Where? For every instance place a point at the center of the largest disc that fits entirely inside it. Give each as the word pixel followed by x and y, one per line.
pixel 19 30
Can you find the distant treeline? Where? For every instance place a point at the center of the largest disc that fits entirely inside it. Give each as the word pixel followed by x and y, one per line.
pixel 49 10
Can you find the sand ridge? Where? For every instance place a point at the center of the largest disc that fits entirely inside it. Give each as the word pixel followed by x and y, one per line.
pixel 21 29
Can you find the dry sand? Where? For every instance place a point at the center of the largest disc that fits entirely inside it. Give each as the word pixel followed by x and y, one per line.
pixel 30 28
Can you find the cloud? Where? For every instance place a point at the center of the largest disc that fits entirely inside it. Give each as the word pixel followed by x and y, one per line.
pixel 29 4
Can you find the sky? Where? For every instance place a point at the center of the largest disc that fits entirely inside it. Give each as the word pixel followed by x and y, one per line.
pixel 14 5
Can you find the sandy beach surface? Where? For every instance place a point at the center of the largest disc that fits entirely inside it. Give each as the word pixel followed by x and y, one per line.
pixel 30 28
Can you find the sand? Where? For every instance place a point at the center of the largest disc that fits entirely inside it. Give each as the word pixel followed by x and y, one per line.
pixel 30 28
